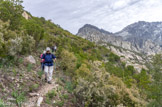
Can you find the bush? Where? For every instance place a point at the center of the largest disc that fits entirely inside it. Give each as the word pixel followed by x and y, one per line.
pixel 33 87
pixel 143 80
pixel 14 46
pixel 113 58
pixel 20 97
pixel 49 96
pixel 101 89
pixel 154 103
pixel 93 92
pixel 68 61
pixel 11 10
pixel 83 71
pixel 28 44
pixel 69 87
pixel 2 104
pixel 35 30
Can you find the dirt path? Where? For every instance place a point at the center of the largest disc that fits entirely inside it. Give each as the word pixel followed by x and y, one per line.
pixel 32 102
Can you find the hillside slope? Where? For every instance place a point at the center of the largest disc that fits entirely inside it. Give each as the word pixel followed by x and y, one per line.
pixel 87 75
pixel 124 49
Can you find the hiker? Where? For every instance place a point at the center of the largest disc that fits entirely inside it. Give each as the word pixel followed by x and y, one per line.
pixel 54 48
pixel 48 64
pixel 42 61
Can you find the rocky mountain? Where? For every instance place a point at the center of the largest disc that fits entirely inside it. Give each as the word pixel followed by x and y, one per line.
pixel 142 37
pixel 142 31
pixel 101 36
pixel 85 74
pixel 114 43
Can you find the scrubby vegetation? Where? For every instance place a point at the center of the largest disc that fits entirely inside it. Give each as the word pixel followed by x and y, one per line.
pixel 99 78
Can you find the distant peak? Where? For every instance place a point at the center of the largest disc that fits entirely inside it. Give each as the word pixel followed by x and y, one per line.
pixel 94 27
pixel 90 26
pixel 87 25
pixel 142 22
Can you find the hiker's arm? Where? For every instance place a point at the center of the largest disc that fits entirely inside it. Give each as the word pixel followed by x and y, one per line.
pixel 54 57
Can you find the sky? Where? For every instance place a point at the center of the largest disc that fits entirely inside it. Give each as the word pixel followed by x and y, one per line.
pixel 111 15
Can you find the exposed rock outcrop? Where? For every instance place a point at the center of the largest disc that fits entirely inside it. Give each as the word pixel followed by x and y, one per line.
pixel 26 15
pixel 30 59
pixel 145 36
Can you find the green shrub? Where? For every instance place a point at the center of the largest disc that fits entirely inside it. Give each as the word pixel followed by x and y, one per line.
pixel 11 10
pixel 28 44
pixel 14 72
pixel 35 30
pixel 29 67
pixel 101 89
pixel 51 94
pixel 20 97
pixel 83 71
pixel 40 73
pixel 154 103
pixel 142 79
pixel 68 61
pixel 2 104
pixel 59 103
pixel 65 96
pixel 14 46
pixel 113 58
pixel 69 87
pixel 33 87
pixel 92 90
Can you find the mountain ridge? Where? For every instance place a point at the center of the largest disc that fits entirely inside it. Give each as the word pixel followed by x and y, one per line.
pixel 85 74
pixel 145 30
pixel 137 36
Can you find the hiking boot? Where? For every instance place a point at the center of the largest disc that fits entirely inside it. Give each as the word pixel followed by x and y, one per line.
pixel 49 82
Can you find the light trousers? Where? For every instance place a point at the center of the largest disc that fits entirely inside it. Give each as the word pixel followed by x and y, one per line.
pixel 48 72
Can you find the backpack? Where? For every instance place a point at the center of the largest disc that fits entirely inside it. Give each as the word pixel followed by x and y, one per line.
pixel 41 58
pixel 48 58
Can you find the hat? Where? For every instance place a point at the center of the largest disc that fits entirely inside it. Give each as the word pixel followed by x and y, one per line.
pixel 44 52
pixel 48 49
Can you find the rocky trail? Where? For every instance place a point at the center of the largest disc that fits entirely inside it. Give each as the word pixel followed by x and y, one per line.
pixel 37 98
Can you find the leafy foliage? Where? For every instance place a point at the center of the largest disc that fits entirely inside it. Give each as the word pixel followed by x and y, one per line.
pixel 11 10
pixel 20 98
pixel 68 61
pixel 2 104
pixel 101 89
pixel 155 91
pixel 99 78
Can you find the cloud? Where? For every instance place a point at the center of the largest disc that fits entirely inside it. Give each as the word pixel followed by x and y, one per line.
pixel 111 15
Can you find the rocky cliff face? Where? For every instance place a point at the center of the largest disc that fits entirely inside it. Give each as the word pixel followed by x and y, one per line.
pixel 101 36
pixel 142 37
pixel 142 31
pixel 145 36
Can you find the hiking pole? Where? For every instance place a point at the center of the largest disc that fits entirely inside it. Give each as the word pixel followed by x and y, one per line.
pixel 55 65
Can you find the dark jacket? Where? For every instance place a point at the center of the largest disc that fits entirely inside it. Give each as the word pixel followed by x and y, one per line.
pixel 48 59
